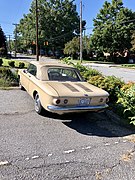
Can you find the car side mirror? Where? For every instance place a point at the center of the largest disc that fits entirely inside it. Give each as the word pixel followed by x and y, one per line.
pixel 25 71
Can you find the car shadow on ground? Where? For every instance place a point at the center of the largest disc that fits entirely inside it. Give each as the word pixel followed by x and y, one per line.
pixel 90 124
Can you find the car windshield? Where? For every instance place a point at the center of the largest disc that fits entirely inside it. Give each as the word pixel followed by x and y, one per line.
pixel 63 74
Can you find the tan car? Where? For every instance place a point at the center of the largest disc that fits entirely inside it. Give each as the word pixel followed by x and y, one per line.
pixel 61 89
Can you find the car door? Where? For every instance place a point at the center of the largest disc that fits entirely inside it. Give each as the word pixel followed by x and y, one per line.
pixel 31 72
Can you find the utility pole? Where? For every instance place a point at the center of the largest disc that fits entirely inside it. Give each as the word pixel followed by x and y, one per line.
pixel 80 30
pixel 9 46
pixel 37 50
pixel 15 38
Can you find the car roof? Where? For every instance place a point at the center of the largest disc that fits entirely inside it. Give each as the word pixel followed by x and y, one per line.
pixel 43 63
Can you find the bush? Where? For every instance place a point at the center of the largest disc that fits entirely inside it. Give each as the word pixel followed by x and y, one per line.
pixel 21 65
pixel 8 76
pixel 11 63
pixel 109 83
pixel 67 60
pixel 5 72
pixel 126 98
pixel 80 67
pixel 91 72
pixel 1 62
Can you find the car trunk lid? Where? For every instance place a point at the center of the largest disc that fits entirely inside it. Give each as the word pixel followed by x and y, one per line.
pixel 76 89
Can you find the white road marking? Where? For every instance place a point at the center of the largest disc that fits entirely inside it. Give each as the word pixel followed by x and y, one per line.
pixel 88 147
pixel 2 163
pixel 69 151
pixel 35 157
pixel 107 144
pixel 49 154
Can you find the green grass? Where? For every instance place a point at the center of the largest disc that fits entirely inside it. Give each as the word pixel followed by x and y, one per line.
pixel 128 65
pixel 4 83
pixel 89 61
pixel 5 63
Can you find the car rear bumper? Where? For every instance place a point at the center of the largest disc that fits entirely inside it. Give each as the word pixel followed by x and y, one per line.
pixel 58 109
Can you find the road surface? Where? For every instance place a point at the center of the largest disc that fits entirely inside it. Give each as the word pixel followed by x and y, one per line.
pixel 52 147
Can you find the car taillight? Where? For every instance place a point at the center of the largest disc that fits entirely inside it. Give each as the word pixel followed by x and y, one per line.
pixel 101 100
pixel 56 101
pixel 65 101
pixel 107 99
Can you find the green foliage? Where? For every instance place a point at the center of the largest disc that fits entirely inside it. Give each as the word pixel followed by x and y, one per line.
pixel 126 98
pixel 112 28
pixel 72 47
pixel 8 77
pixel 80 67
pixel 11 63
pixel 109 83
pixel 3 48
pixel 1 62
pixel 21 65
pixel 58 20
pixel 86 72
pixel 91 72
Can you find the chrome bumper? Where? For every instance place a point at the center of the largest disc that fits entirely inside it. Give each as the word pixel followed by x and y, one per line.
pixel 76 108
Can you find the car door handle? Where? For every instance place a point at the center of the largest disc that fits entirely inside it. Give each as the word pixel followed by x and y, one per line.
pixel 29 75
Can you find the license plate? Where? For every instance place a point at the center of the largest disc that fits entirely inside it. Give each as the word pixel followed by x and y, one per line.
pixel 84 101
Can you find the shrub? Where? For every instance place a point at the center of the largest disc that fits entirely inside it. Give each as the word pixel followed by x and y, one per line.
pixel 126 98
pixel 21 65
pixel 109 83
pixel 127 86
pixel 67 60
pixel 1 62
pixel 8 76
pixel 5 72
pixel 80 67
pixel 11 63
pixel 91 72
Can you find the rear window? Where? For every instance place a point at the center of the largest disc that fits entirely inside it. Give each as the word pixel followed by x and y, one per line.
pixel 63 74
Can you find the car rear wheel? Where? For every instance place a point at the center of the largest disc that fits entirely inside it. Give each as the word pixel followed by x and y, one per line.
pixel 38 106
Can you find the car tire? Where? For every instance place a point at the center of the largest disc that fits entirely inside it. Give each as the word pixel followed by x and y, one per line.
pixel 38 106
pixel 21 87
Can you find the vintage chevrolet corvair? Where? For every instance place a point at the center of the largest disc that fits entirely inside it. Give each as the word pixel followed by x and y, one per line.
pixel 60 88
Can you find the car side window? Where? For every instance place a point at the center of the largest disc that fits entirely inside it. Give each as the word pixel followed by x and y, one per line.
pixel 32 69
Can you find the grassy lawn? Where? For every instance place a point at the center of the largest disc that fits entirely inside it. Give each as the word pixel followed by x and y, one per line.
pixel 128 66
pixel 5 63
pixel 8 74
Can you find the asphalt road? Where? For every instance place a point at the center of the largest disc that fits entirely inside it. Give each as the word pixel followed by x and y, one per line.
pixel 124 74
pixel 52 147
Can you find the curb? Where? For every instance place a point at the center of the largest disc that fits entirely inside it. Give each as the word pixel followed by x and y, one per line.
pixel 10 88
pixel 119 120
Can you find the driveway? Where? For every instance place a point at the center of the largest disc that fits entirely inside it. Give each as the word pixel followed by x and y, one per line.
pixel 53 147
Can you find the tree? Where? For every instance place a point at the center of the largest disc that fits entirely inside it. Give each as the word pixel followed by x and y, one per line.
pixel 72 48
pixel 3 48
pixel 58 23
pixel 112 28
pixel 133 41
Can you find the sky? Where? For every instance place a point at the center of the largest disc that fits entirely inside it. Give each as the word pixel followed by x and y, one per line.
pixel 11 11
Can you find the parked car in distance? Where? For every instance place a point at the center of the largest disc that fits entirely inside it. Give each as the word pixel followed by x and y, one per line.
pixel 60 88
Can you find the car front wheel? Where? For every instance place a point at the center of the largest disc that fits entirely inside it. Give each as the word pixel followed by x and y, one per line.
pixel 21 87
pixel 38 106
